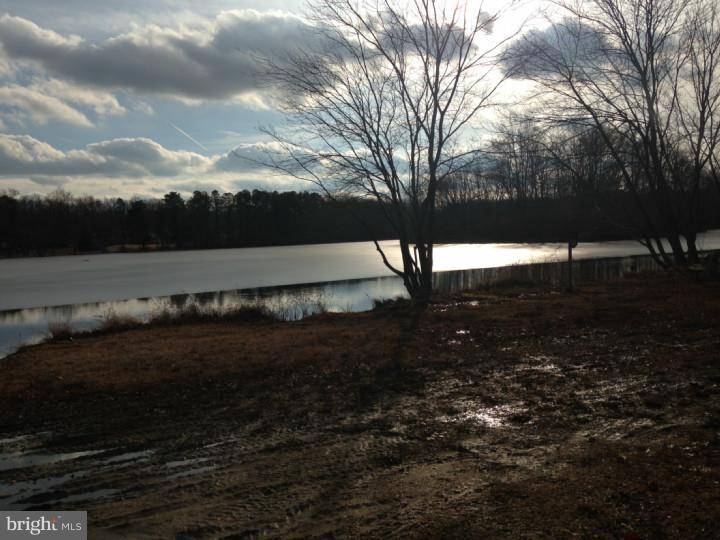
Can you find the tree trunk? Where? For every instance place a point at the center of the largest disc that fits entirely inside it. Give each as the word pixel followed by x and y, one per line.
pixel 570 266
pixel 692 251
pixel 677 249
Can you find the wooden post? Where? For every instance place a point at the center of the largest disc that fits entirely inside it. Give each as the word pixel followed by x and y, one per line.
pixel 570 276
pixel 572 242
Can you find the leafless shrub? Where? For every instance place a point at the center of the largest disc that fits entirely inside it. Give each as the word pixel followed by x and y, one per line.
pixel 249 312
pixel 113 321
pixel 60 330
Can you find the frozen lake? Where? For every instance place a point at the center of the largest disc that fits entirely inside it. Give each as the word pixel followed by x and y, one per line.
pixel 56 281
pixel 80 290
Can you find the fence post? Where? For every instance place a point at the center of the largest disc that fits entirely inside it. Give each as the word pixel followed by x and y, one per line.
pixel 572 242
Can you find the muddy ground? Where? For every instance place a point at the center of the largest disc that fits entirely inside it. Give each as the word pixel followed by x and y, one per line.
pixel 520 413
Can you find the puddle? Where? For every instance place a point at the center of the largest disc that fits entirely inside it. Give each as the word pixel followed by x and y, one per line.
pixel 15 440
pixel 611 390
pixel 442 308
pixel 192 472
pixel 548 368
pixel 185 462
pixel 141 455
pixel 488 417
pixel 491 417
pixel 12 495
pixel 21 460
pixel 540 364
pixel 29 493
pixel 57 497
pixel 25 442
pixel 88 496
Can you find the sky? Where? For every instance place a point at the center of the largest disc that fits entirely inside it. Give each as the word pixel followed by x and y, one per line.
pixel 140 97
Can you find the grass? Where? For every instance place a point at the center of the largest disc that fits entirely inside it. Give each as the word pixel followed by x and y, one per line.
pixel 112 320
pixel 390 303
pixel 512 283
pixel 255 311
pixel 290 308
pixel 60 330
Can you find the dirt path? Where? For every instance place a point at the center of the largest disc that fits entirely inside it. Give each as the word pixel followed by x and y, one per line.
pixel 528 414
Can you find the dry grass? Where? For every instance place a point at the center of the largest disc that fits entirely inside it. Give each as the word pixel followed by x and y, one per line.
pixel 60 330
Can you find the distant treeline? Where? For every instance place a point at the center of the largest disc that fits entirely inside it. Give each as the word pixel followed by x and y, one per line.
pixel 62 223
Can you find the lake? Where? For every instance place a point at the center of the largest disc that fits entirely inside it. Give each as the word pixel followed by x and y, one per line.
pixel 292 280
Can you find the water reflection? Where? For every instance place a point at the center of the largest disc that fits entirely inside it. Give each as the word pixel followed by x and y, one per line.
pixel 27 326
pixel 21 460
pixel 551 273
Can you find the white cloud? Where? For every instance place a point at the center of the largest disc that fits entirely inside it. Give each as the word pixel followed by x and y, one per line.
pixel 43 101
pixel 22 155
pixel 5 69
pixel 100 102
pixel 250 156
pixel 20 103
pixel 133 166
pixel 217 59
pixel 149 156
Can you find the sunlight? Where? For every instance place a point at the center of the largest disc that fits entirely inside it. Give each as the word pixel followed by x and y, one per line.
pixel 461 256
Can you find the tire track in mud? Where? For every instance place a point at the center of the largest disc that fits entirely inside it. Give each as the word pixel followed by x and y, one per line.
pixel 328 466
pixel 340 473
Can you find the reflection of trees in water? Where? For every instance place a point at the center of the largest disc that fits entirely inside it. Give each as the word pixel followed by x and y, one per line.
pixel 178 301
pixel 296 303
pixel 554 273
pixel 228 298
pixel 206 298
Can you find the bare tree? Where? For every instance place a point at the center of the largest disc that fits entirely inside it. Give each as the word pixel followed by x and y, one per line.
pixel 468 186
pixel 382 108
pixel 521 168
pixel 698 116
pixel 624 68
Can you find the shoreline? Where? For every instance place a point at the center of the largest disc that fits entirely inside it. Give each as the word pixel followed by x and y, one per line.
pixel 492 414
pixel 297 300
pixel 156 248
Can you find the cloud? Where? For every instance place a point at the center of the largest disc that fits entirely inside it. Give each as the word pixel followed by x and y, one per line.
pixel 22 155
pixel 215 60
pixel 250 156
pixel 5 69
pixel 100 102
pixel 18 103
pixel 135 166
pixel 149 156
pixel 133 157
pixel 561 47
pixel 52 100
pixel 223 58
